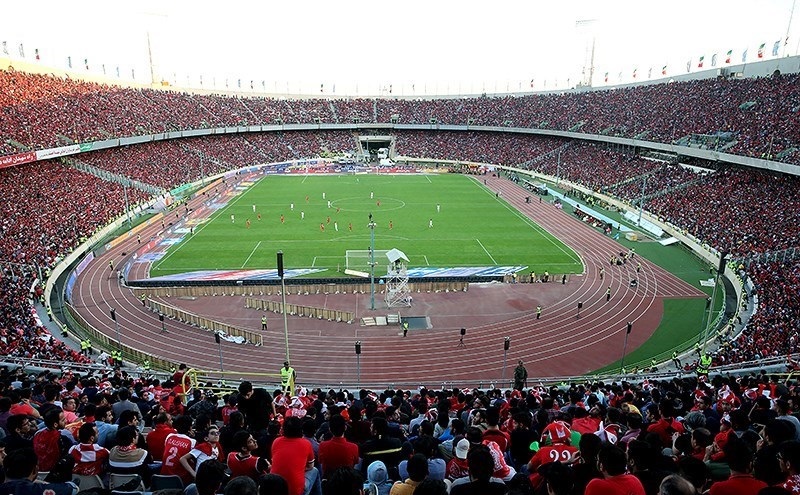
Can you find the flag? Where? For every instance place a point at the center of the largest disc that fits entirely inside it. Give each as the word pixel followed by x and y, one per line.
pixel 760 50
pixel 664 71
pixel 606 78
pixel 728 57
pixel 700 62
pixel 630 326
pixel 744 56
pixel 714 60
pixel 689 65
pixel 775 48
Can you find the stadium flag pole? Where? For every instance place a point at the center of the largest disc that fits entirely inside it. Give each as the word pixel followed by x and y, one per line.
pixel 283 306
pixel 372 263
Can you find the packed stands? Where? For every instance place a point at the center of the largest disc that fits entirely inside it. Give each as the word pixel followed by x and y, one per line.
pixel 758 115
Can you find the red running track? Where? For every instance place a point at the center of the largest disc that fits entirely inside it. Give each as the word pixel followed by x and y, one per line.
pixel 322 352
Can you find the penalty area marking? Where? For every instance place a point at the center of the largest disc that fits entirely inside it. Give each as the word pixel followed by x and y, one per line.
pixel 487 252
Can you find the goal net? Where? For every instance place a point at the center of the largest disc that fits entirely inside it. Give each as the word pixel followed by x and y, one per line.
pixel 359 259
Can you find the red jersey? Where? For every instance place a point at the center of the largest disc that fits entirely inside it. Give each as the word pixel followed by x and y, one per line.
pixel 624 484
pixel 244 467
pixel 547 454
pixel 155 440
pixel 89 459
pixel 175 447
pixel 47 445
pixel 289 459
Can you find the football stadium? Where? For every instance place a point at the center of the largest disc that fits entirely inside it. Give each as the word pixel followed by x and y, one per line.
pixel 575 284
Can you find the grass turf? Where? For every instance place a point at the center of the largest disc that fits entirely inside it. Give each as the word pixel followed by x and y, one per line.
pixel 472 227
pixel 683 319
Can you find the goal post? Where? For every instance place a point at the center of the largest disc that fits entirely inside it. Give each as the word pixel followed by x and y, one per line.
pixel 359 259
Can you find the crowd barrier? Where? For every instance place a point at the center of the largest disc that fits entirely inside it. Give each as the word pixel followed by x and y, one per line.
pixel 296 309
pixel 294 288
pixel 129 354
pixel 202 322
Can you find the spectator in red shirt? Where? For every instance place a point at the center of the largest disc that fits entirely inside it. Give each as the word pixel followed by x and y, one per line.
pixel 337 452
pixel 741 480
pixel 241 460
pixel 613 463
pixel 90 458
pixel 666 425
pixel 493 432
pixel 162 427
pixel 49 444
pixel 293 459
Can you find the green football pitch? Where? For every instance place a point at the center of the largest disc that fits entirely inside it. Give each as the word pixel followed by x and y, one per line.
pixel 436 220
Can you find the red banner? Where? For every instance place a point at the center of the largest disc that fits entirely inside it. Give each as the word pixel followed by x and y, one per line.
pixel 18 159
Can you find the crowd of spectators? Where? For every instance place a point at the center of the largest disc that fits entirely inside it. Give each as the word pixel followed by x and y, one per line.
pixel 773 330
pixel 41 111
pixel 683 436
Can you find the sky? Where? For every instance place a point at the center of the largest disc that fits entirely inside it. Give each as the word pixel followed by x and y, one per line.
pixel 373 47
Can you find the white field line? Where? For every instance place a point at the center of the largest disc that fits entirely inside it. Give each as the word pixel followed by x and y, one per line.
pixel 487 252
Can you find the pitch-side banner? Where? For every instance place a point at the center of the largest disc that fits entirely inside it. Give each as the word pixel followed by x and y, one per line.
pixel 56 152
pixel 18 159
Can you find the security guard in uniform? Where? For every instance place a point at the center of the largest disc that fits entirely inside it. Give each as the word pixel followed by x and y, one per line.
pixel 675 360
pixel 288 377
pixel 704 366
pixel 264 322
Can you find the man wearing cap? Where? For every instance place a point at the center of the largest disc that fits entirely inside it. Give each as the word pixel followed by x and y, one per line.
pixel 481 467
pixel 288 377
pixel 457 467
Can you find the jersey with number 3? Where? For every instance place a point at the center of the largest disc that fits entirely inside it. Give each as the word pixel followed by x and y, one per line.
pixel 175 447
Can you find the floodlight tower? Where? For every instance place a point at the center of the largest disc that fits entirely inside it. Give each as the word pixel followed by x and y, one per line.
pixel 588 72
